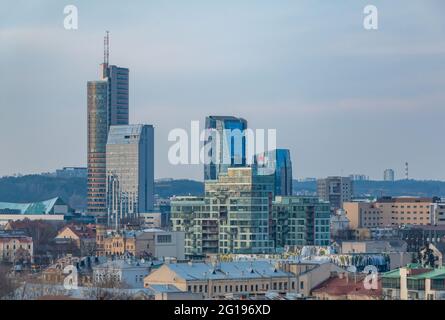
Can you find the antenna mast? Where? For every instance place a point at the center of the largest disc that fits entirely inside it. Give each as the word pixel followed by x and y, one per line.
pixel 106 48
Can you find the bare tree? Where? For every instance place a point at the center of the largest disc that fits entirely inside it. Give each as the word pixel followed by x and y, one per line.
pixel 7 284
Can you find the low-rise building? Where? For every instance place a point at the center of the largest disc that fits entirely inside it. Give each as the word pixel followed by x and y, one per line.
pixel 82 236
pixel 148 243
pixel 347 287
pixel 122 273
pixel 15 247
pixel 392 211
pixel 223 279
pixel 414 282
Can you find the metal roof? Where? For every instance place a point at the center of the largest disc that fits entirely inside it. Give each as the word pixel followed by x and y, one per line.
pixel 41 207
pixel 227 270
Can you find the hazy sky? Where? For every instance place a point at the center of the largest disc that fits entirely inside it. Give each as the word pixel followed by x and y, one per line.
pixel 343 99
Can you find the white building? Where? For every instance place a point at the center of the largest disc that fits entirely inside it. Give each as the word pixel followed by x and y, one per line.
pixel 126 274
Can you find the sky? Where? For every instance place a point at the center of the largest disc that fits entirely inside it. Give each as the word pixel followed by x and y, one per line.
pixel 343 99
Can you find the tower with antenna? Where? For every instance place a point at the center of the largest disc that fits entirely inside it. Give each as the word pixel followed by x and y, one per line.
pixel 406 171
pixel 104 66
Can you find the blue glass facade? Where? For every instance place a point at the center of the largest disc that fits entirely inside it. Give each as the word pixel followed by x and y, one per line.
pixel 278 163
pixel 225 145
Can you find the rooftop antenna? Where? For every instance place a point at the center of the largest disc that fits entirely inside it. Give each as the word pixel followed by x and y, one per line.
pixel 106 47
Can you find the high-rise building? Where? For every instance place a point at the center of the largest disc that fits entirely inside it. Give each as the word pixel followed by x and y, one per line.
pixel 129 172
pixel 225 145
pixel 277 163
pixel 108 104
pixel 336 190
pixel 240 201
pixel 300 221
pixel 234 216
pixel 388 175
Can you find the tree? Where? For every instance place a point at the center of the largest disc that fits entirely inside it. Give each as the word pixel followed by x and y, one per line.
pixel 7 284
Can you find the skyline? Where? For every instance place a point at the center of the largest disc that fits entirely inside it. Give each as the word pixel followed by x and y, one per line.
pixel 251 67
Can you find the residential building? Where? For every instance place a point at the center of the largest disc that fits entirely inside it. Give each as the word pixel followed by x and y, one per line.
pixel 107 105
pixel 160 244
pixel 150 243
pixel 221 280
pixel 239 204
pixel 336 190
pixel 15 247
pixel 309 274
pixel 128 273
pixel 406 210
pixel 389 211
pixel 157 220
pixel 339 223
pixel 438 213
pixel 418 237
pixel 225 145
pixel 363 214
pixel 388 175
pixel 300 221
pixel 51 210
pixel 82 236
pixel 414 282
pixel 184 210
pixel 277 163
pixel 129 173
pixel 347 287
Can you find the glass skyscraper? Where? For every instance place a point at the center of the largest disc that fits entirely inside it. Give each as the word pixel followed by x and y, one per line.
pixel 278 163
pixel 129 172
pixel 225 145
pixel 107 105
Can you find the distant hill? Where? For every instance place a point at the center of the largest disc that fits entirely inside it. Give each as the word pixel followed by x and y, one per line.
pixel 73 190
pixel 385 188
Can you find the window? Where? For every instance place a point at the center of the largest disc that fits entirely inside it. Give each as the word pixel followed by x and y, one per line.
pixel 164 238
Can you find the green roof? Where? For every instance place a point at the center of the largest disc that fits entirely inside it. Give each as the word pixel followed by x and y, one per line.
pixel 438 273
pixel 433 274
pixel 392 274
pixel 41 207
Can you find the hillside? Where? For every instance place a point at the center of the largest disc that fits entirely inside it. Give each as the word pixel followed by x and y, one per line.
pixel 73 190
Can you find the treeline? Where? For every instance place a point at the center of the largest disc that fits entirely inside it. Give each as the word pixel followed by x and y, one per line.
pixel 73 190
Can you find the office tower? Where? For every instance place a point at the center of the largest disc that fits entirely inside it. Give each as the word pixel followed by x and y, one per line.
pixel 225 145
pixel 107 105
pixel 336 190
pixel 388 175
pixel 240 204
pixel 129 172
pixel 277 163
pixel 300 221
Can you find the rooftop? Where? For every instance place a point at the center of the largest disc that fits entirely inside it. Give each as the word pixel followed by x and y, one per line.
pixel 227 270
pixel 41 207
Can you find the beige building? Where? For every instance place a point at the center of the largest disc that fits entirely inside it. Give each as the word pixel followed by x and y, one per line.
pixel 82 236
pixel 154 243
pixel 414 282
pixel 225 279
pixel 14 247
pixel 390 212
